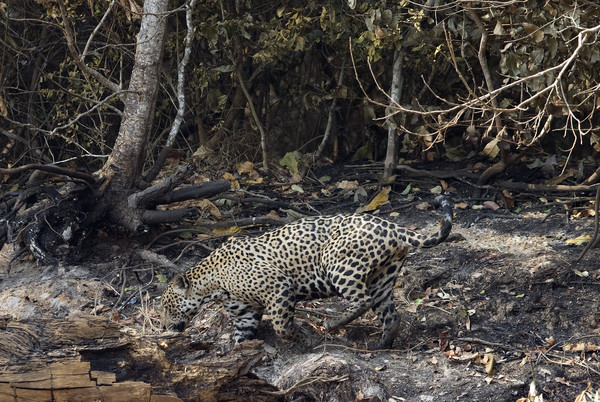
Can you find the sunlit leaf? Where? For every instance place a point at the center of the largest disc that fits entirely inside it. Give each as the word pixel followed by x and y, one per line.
pixel 579 240
pixel 491 148
pixel 227 231
pixel 290 162
pixel 381 198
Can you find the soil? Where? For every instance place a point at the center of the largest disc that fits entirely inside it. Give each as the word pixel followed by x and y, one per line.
pixel 485 314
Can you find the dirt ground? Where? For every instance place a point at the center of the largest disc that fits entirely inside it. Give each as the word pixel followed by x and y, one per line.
pixel 484 315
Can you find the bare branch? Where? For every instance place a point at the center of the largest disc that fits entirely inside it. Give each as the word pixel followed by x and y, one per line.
pixel 50 169
pixel 152 173
pixel 79 58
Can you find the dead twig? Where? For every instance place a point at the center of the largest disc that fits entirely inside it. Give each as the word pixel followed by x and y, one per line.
pixel 569 362
pixel 483 342
pixel 595 239
pixel 305 382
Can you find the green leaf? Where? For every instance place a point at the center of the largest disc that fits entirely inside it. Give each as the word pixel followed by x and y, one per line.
pixel 535 164
pixel 406 190
pixel 290 162
pixel 225 69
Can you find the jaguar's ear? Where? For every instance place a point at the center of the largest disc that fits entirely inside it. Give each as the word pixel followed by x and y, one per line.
pixel 180 283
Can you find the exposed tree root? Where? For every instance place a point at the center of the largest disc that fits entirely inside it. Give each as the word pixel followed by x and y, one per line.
pixel 52 221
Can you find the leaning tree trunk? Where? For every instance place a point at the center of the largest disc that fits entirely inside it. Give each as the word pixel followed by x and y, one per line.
pixel 391 157
pixel 124 165
pixel 122 169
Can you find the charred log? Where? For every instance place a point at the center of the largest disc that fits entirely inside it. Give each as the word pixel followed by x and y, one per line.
pixel 152 217
pixel 203 190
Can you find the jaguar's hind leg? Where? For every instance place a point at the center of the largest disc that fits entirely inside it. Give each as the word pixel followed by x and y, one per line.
pixel 382 288
pixel 353 289
pixel 281 308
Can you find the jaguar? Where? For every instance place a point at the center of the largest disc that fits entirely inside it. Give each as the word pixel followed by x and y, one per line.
pixel 356 256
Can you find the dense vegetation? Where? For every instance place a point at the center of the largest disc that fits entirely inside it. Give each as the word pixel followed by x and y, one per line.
pixel 65 66
pixel 443 80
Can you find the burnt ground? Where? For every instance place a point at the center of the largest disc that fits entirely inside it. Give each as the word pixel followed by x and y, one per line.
pixel 484 315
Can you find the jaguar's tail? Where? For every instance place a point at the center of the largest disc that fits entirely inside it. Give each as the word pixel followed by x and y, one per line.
pixel 444 204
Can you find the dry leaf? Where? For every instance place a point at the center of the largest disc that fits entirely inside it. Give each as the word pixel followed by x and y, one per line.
pixel 227 231
pixel 491 149
pixel 378 200
pixel 423 206
pixel 273 214
pixel 489 361
pixel 578 241
pixel 207 205
pixel 246 168
pixel 533 395
pixel 436 190
pixel 508 198
pixel 581 347
pixel 234 183
pixel 461 205
pixel 348 185
pixel 491 205
pixel 464 357
pixel 583 213
pixel 550 341
pixel 257 180
pixel 290 161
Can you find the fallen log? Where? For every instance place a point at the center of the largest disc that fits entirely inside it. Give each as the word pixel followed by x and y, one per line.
pixel 92 358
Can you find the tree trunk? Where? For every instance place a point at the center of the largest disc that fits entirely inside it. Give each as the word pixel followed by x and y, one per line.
pixel 124 165
pixel 391 156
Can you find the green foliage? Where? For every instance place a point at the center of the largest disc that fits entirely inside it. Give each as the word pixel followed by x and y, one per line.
pixel 290 55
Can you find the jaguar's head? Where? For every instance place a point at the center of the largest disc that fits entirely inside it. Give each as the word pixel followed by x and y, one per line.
pixel 178 304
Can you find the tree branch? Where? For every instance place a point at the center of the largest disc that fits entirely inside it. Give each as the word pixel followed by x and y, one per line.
pixel 263 135
pixel 78 58
pixel 50 169
pixel 330 118
pixel 162 157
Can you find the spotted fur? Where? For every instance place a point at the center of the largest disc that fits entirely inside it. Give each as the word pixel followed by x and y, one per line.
pixel 356 256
